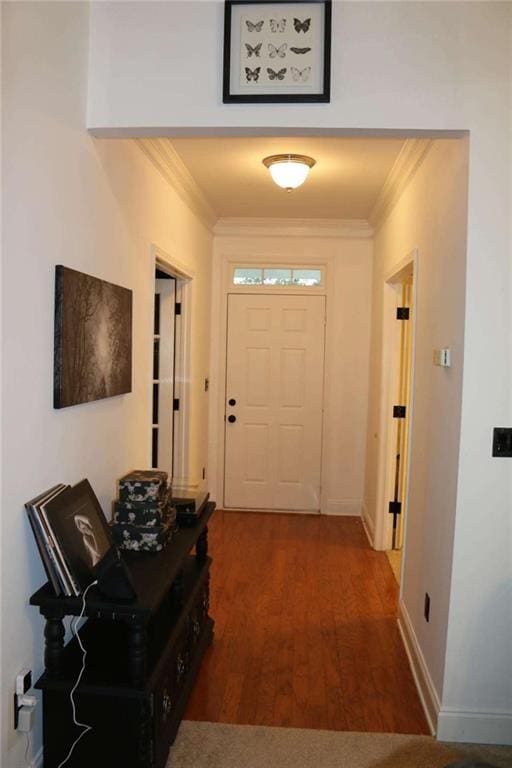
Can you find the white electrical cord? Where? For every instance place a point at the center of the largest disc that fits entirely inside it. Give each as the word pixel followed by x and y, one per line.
pixel 74 629
pixel 27 749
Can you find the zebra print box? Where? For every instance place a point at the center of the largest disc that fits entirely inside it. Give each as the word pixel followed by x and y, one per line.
pixel 143 538
pixel 143 485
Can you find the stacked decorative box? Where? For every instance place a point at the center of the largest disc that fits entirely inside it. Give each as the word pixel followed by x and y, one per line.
pixel 144 518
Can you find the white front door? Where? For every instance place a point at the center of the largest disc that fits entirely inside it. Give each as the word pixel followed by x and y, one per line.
pixel 274 401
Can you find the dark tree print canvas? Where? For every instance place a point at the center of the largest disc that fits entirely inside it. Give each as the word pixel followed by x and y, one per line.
pixel 93 338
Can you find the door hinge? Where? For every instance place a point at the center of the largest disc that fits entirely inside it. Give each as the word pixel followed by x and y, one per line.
pixel 395 508
pixel 399 411
pixel 177 308
pixel 176 404
pixel 402 313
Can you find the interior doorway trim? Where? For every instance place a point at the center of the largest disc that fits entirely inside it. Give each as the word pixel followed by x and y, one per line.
pixel 390 335
pixel 168 263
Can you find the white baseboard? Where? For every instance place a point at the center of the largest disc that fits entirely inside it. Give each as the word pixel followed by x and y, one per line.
pixel 474 727
pixel 368 525
pixel 277 511
pixel 187 485
pixel 426 689
pixel 348 507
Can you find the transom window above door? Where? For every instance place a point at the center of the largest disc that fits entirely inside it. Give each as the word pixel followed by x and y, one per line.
pixel 293 277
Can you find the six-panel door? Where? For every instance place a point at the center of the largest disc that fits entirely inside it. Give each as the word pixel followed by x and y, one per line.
pixel 274 382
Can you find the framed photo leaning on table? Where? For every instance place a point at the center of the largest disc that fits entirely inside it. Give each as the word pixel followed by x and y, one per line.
pixel 277 51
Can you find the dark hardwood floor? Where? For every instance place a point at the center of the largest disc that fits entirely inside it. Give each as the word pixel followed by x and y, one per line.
pixel 305 628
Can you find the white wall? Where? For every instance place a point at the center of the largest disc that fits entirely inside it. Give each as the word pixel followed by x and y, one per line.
pixel 431 217
pixel 394 65
pixel 348 261
pixel 410 66
pixel 95 206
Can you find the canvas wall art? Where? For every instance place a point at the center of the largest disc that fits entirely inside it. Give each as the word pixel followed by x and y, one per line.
pixel 277 52
pixel 93 338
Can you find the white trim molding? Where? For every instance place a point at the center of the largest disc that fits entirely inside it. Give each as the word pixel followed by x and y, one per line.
pixel 186 485
pixel 166 262
pixel 426 688
pixel 368 525
pixel 268 511
pixel 343 507
pixel 265 227
pixel 472 726
pixel 167 161
pixel 409 159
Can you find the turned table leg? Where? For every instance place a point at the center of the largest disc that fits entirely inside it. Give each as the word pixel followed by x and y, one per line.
pixel 202 545
pixel 146 728
pixel 138 641
pixel 54 645
pixel 178 589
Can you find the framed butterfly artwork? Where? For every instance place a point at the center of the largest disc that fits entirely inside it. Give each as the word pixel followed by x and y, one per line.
pixel 277 51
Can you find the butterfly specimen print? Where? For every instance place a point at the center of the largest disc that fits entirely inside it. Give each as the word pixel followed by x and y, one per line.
pixel 300 75
pixel 252 74
pixel 253 50
pixel 277 25
pixel 254 26
pixel 274 51
pixel 301 26
pixel 276 75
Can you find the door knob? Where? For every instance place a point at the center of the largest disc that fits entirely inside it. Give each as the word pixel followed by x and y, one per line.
pixel 231 419
pixel 232 401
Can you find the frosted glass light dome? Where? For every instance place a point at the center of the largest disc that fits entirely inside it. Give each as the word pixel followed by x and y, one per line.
pixel 289 171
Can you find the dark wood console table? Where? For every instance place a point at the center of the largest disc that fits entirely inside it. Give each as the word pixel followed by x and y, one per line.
pixel 142 658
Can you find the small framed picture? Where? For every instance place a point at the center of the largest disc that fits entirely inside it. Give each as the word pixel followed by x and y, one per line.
pixel 277 52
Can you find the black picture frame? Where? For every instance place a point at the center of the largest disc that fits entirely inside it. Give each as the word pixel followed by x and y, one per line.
pixel 275 86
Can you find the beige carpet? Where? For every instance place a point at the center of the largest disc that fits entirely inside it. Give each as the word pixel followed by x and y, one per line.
pixel 216 745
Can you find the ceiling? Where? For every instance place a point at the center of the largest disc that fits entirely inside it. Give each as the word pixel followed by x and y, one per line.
pixel 344 184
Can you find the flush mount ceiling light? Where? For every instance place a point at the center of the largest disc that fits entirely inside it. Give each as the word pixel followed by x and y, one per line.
pixel 289 171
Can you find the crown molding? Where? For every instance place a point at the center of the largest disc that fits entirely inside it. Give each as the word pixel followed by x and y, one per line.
pixel 410 158
pixel 267 227
pixel 167 161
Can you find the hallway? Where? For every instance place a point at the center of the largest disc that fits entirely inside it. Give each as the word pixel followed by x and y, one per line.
pixel 305 628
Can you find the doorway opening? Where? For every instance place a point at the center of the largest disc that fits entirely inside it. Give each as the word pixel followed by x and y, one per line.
pixel 164 365
pixel 398 370
pixel 359 349
pixel 170 366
